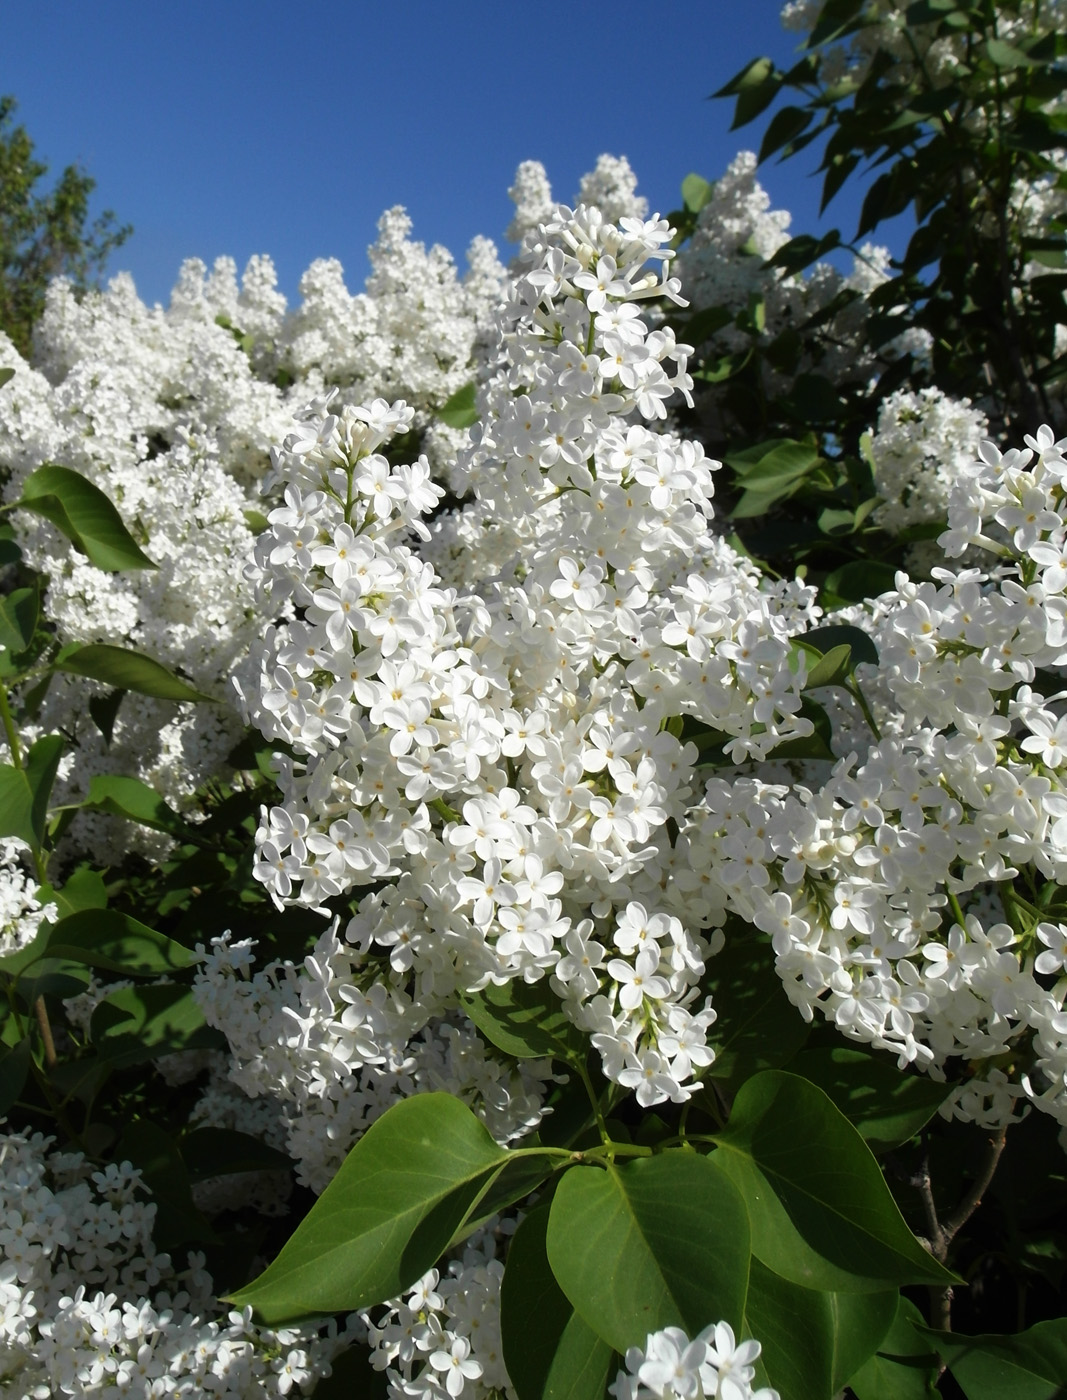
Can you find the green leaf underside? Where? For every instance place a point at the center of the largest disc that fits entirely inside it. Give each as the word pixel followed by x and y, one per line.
pixel 821 1212
pixel 400 1195
pixel 85 515
pixel 550 1351
pixel 657 1242
pixel 126 670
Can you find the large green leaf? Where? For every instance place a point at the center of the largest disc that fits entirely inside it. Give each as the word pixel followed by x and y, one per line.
pixel 756 1027
pixel 136 1024
pixel 116 942
pixel 654 1243
pixel 14 1069
pixel 822 1215
pixel 812 1342
pixel 1031 1365
pixel 86 517
pixel 525 1020
pixel 905 1367
pixel 135 800
pixel 399 1197
pixel 84 889
pixel 842 634
pixel 18 619
pixel 550 1351
pixel 460 410
pixel 126 670
pixel 886 1105
pixel 24 792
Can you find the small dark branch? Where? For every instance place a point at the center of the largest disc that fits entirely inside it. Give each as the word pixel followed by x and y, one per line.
pixel 942 1233
pixel 921 1182
pixel 973 1199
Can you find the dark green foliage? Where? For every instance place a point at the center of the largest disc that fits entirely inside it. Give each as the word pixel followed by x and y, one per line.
pixel 44 233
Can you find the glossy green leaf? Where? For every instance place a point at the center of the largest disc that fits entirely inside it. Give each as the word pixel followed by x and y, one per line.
pixel 905 1367
pixel 1031 1365
pixel 83 889
pixel 785 126
pixel 116 942
pixel 18 620
pixel 139 1023
pixel 858 580
pixel 14 1070
pixel 860 1323
pixel 784 461
pixel 886 1105
pixel 756 1027
pixel 126 670
pixel 831 668
pixel 135 800
pixel 6 375
pixel 24 792
pixel 85 515
pixel 550 1351
pixel 459 410
pixel 525 1020
pixel 653 1243
pixel 400 1195
pixel 822 1215
pixel 803 250
pixel 53 977
pixel 104 710
pixel 834 635
pixel 812 1342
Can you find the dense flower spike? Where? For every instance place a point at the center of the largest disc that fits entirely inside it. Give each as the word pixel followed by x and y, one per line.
pixel 503 757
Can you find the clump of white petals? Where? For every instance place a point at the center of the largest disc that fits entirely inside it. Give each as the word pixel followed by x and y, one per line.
pixel 89 1307
pixel 671 1367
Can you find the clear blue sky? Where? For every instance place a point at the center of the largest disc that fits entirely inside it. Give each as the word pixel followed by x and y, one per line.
pixel 249 126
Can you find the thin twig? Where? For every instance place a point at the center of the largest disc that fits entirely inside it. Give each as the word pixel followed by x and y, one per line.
pixel 942 1233
pixel 44 1025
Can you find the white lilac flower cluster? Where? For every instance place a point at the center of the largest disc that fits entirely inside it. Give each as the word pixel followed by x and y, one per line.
pixel 893 892
pixel 502 753
pixel 921 445
pixel 21 912
pixel 442 1338
pixel 173 415
pixel 327 1048
pixel 671 1367
pixel 89 1307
